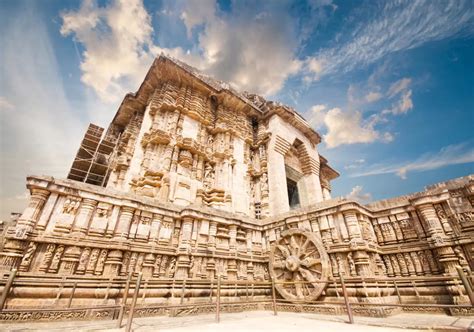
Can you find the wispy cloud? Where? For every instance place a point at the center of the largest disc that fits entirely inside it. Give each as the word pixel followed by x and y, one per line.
pixel 349 125
pixel 355 164
pixel 357 194
pixel 400 25
pixel 450 155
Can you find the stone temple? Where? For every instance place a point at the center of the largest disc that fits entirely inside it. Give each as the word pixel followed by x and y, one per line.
pixel 195 181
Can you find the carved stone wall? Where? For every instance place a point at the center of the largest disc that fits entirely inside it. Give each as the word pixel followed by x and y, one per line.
pixel 76 229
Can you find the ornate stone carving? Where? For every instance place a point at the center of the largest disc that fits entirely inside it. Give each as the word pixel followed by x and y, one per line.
pixel 299 256
pixel 26 261
pixel 56 259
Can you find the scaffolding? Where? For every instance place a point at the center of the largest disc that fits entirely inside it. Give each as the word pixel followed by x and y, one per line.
pixel 95 157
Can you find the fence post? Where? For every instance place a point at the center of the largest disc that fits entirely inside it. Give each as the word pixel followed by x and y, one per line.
pixel 134 302
pixel 466 284
pixel 274 298
pixel 72 294
pixel 398 292
pixel 6 289
pixel 346 300
pixel 218 300
pixel 124 300
pixel 183 289
pixel 58 297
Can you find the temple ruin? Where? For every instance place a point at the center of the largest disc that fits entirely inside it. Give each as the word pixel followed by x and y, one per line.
pixel 194 182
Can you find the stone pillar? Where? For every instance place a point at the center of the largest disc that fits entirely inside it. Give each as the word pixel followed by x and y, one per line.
pixel 47 211
pixel 211 244
pixel 31 214
pixel 362 263
pixel 113 221
pixel 113 263
pixel 184 248
pixel 143 228
pixel 123 226
pixel 428 212
pixel 69 260
pixel 325 230
pixel 352 225
pixel 232 269
pixel 148 265
pixel 84 215
pixel 155 229
pixel 233 237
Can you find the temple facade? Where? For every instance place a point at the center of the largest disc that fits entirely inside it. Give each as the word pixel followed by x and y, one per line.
pixel 193 180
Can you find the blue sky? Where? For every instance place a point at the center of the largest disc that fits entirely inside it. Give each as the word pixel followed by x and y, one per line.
pixel 388 84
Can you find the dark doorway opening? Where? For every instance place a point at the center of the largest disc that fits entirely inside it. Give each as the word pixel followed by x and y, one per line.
pixel 293 195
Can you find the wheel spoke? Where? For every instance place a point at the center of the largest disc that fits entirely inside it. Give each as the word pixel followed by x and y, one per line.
pixel 306 275
pixel 294 246
pixel 318 272
pixel 304 246
pixel 283 250
pixel 308 262
pixel 310 253
pixel 279 264
pixel 299 290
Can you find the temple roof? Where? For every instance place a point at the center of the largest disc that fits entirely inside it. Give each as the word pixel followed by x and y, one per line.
pixel 168 68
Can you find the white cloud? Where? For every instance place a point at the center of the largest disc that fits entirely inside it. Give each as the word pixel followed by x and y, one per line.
pixel 351 125
pixel 373 96
pixel 116 39
pixel 317 115
pixel 450 155
pixel 358 194
pixel 254 52
pixel 398 26
pixel 196 13
pixel 314 69
pixel 347 128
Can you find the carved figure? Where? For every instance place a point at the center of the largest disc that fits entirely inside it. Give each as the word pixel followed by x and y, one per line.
pixel 100 262
pixel 25 262
pixel 462 259
pixel 83 260
pixel 171 268
pixel 93 260
pixel 56 259
pixel 70 206
pixel 48 255
pixel 264 182
pixel 352 268
pixel 208 176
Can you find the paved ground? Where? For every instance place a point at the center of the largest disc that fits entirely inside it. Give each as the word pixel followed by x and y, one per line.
pixel 261 321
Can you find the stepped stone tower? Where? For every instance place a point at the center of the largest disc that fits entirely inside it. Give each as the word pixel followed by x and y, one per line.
pixel 193 180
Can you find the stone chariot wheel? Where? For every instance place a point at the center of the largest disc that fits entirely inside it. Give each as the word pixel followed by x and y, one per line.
pixel 299 256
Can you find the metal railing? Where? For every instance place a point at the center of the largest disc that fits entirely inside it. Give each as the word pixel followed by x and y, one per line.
pixel 242 290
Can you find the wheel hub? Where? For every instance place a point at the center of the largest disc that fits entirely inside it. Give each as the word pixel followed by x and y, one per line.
pixel 292 263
